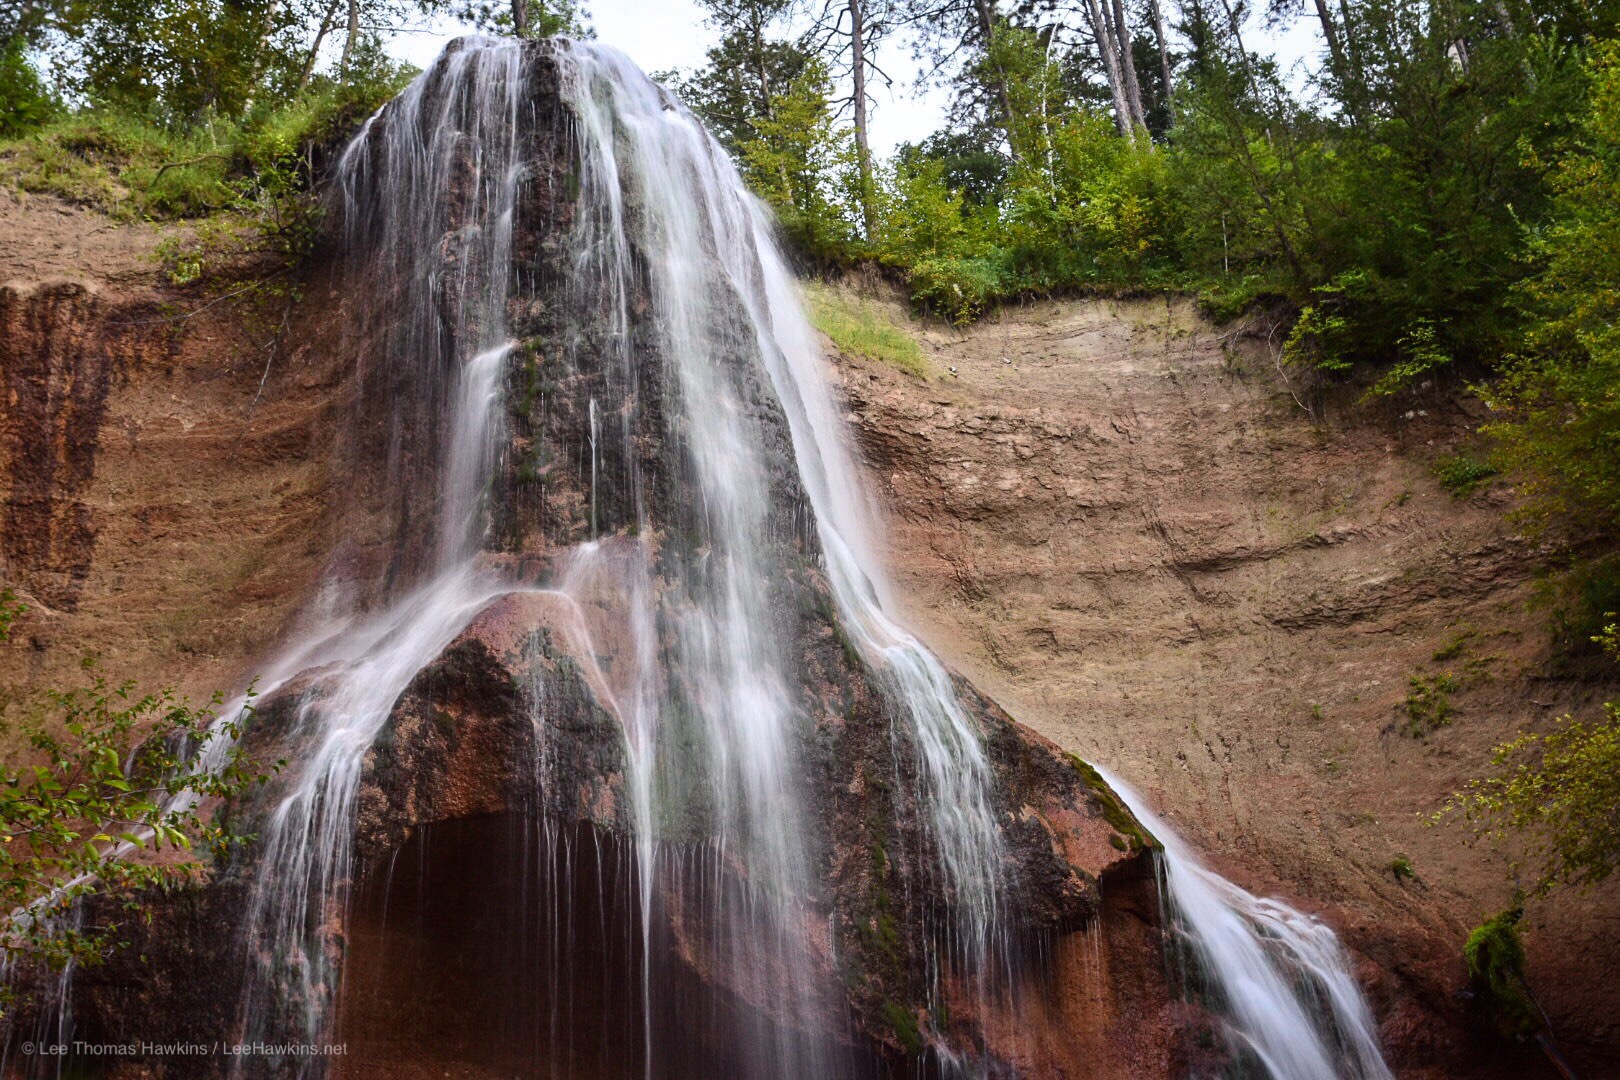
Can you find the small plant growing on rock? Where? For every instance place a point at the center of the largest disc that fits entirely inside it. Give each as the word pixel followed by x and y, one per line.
pixel 109 808
pixel 1461 475
pixel 1428 703
pixel 1495 958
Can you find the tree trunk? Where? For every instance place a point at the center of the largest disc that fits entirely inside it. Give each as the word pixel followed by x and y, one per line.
pixel 1116 80
pixel 863 152
pixel 1127 65
pixel 1243 53
pixel 767 108
pixel 985 9
pixel 1502 12
pixel 315 49
pixel 1352 50
pixel 520 17
pixel 1163 40
pixel 350 38
pixel 1335 51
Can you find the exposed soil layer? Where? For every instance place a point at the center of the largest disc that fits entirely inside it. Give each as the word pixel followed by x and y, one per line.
pixel 1117 520
pixel 164 455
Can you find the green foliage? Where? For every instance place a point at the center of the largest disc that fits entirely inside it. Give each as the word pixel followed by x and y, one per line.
pixel 1419 353
pixel 1401 868
pixel 859 328
pixel 1558 793
pixel 247 184
pixel 1455 648
pixel 1461 475
pixel 957 289
pixel 1560 397
pixel 1428 703
pixel 109 779
pixel 1495 958
pixel 25 103
pixel 1582 602
pixel 804 165
pixel 110 772
pixel 744 73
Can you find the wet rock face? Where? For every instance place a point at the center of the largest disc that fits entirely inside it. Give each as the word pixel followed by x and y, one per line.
pixel 502 722
pixel 519 714
pixel 61 349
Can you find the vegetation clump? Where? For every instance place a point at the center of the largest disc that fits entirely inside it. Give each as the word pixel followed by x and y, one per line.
pixel 1461 475
pixel 1495 958
pixel 1428 703
pixel 1114 811
pixel 858 328
pixel 110 778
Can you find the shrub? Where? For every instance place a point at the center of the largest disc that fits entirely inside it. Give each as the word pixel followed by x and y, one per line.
pixel 958 290
pixel 1461 474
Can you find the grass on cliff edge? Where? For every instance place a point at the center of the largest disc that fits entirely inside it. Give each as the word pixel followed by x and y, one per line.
pixel 130 167
pixel 859 327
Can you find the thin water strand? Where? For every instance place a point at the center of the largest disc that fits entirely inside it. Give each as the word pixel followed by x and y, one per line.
pixel 1281 975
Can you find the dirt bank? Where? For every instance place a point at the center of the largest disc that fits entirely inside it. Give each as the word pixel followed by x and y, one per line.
pixel 163 456
pixel 1116 519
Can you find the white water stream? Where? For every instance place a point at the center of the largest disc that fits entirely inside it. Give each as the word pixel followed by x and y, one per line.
pixel 1281 982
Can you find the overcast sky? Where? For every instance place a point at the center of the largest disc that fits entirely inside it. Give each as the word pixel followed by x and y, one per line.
pixel 663 34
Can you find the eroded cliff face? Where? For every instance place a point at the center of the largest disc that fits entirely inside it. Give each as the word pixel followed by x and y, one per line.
pixel 1117 520
pixel 194 477
pixel 164 456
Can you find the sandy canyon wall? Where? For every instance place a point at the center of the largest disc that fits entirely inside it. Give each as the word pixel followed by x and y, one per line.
pixel 1117 519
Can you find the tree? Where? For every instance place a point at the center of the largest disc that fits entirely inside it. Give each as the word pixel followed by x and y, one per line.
pixel 1108 48
pixel 1559 399
pixel 953 36
pixel 847 32
pixel 739 84
pixel 112 777
pixel 802 163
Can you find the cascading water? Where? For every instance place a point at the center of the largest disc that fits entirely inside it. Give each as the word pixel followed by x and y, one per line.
pixel 1277 976
pixel 715 502
pixel 701 232
pixel 448 153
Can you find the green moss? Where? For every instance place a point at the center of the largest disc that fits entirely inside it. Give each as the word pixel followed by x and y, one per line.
pixel 904 1025
pixel 1495 958
pixel 1114 811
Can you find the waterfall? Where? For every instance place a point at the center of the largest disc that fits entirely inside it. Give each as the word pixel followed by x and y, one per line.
pixel 447 156
pixel 703 230
pixel 1278 976
pixel 718 500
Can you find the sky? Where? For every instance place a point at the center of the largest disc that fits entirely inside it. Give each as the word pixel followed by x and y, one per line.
pixel 663 34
